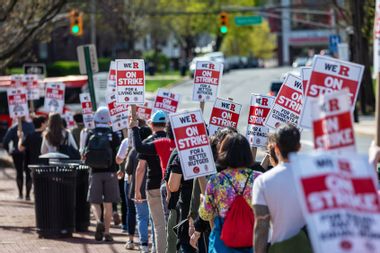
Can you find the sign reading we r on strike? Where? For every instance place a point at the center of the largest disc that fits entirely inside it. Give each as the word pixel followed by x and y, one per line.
pixel 207 77
pixel 130 81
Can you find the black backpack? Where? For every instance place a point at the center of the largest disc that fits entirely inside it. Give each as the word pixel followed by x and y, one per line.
pixel 98 152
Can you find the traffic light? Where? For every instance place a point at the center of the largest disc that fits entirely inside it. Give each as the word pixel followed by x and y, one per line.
pixel 76 23
pixel 223 22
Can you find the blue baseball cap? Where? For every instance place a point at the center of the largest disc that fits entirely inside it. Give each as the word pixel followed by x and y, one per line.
pixel 158 117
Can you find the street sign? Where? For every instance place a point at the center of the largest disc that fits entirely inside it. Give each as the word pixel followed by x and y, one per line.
pixel 343 51
pixel 334 40
pixel 248 20
pixel 82 59
pixel 35 68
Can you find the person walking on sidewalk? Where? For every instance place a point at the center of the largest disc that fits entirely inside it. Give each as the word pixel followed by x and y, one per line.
pixel 10 142
pixel 31 145
pixel 99 153
pixel 154 179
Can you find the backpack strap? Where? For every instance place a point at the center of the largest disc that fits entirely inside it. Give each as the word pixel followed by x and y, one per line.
pixel 245 185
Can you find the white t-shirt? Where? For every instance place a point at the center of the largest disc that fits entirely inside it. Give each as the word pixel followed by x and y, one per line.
pixel 46 147
pixel 276 190
pixel 123 149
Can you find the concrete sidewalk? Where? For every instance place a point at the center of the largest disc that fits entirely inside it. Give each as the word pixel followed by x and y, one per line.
pixel 366 126
pixel 18 233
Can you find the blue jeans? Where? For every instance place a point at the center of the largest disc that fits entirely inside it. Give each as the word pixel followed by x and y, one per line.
pixel 130 212
pixel 142 211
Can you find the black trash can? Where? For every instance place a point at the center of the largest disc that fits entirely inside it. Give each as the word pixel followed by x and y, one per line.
pixel 55 199
pixel 82 215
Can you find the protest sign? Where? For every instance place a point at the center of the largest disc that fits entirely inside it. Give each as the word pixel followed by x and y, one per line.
pixel 69 118
pixel 192 143
pixel 118 113
pixel 305 76
pixel 332 122
pixel 111 80
pixel 17 102
pixel 54 97
pixel 166 101
pixel 287 107
pixel 130 81
pixel 329 75
pixel 257 132
pixel 17 81
pixel 339 200
pixel 32 85
pixel 145 111
pixel 225 113
pixel 207 78
pixel 88 114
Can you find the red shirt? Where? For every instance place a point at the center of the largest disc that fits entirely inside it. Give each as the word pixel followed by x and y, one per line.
pixel 164 148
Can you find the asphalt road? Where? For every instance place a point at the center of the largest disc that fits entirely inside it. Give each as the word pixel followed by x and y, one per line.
pixel 238 85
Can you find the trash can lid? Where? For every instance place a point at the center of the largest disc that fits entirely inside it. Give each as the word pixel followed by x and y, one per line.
pixel 54 155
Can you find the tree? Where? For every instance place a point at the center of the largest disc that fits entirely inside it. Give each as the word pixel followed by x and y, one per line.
pixel 22 23
pixel 252 40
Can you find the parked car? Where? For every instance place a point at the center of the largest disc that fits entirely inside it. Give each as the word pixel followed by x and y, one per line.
pixel 274 88
pixel 300 62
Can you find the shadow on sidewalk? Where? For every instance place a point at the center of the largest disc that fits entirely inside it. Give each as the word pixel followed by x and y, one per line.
pixel 22 229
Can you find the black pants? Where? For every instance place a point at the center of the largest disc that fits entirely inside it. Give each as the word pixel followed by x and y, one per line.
pixel 18 160
pixel 123 203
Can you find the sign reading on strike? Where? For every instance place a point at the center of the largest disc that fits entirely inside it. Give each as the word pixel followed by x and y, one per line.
pixel 339 199
pixel 130 81
pixel 225 113
pixel 111 81
pixel 207 77
pixel 88 115
pixel 17 102
pixel 17 81
pixel 69 118
pixel 329 75
pixel 332 122
pixel 166 101
pixel 305 76
pixel 32 85
pixel 118 113
pixel 287 107
pixel 54 97
pixel 193 145
pixel 257 132
pixel 145 111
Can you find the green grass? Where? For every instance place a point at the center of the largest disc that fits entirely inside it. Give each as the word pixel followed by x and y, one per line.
pixel 153 85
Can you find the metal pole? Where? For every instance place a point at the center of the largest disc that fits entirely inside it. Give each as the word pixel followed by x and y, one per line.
pixel 89 76
pixel 93 22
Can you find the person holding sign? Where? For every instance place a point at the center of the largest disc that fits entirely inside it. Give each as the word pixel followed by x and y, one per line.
pixel 228 190
pixel 274 197
pixel 10 142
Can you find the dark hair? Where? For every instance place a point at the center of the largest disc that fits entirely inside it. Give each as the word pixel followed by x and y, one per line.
pixel 287 138
pixel 78 118
pixel 64 123
pixel 142 122
pixel 54 130
pixel 235 152
pixel 169 130
pixel 270 148
pixel 158 124
pixel 218 137
pixel 38 121
pixel 144 132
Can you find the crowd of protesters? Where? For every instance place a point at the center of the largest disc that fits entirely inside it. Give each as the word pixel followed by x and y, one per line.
pixel 144 175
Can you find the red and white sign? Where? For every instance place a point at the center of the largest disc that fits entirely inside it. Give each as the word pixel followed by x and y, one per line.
pixel 32 85
pixel 130 81
pixel 305 76
pixel 111 80
pixel 118 113
pixel 340 202
pixel 17 102
pixel 54 97
pixel 166 101
pixel 193 145
pixel 69 118
pixel 207 79
pixel 145 111
pixel 332 122
pixel 257 132
pixel 225 113
pixel 287 107
pixel 88 114
pixel 17 81
pixel 329 75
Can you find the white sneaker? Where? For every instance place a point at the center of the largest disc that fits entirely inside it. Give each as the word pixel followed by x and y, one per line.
pixel 144 249
pixel 129 245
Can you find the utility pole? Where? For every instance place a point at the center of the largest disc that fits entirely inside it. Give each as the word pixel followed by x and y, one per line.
pixel 93 22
